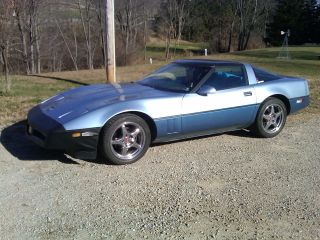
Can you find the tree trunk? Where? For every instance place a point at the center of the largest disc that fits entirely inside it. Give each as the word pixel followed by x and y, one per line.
pixel 240 41
pixel 103 49
pixel 24 44
pixel 127 31
pixel 126 52
pixel 99 13
pixel 145 33
pixel 180 27
pixel 32 35
pixel 175 47
pixel 87 32
pixel 90 54
pixel 75 39
pixel 245 46
pixel 220 27
pixel 5 54
pixel 53 67
pixel 168 43
pixel 74 60
pixel 145 41
pixel 37 43
pixel 230 36
pixel 31 47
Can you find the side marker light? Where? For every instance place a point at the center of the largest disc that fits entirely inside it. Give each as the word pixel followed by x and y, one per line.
pixel 76 135
pixel 300 100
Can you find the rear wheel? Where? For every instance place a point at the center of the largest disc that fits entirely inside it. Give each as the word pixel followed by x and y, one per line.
pixel 271 118
pixel 125 139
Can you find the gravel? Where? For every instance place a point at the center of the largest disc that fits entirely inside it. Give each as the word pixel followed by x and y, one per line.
pixel 230 186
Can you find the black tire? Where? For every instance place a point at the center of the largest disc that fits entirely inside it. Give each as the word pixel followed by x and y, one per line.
pixel 271 118
pixel 125 139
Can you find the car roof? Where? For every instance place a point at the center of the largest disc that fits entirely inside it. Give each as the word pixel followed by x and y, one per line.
pixel 206 62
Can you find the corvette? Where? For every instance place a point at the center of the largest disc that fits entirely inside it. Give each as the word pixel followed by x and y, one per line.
pixel 184 99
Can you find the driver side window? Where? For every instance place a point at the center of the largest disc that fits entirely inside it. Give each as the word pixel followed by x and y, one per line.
pixel 227 77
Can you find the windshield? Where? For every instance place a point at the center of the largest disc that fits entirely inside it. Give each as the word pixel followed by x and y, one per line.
pixel 176 77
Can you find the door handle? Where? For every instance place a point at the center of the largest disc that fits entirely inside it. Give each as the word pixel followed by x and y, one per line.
pixel 247 94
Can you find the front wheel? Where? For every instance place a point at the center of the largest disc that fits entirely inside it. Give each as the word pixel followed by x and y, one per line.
pixel 125 139
pixel 271 118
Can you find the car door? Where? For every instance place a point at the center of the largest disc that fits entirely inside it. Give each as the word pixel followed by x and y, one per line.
pixel 231 105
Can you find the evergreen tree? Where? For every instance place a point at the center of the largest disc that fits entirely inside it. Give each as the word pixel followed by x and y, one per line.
pixel 310 21
pixel 289 15
pixel 317 30
pixel 302 17
pixel 202 20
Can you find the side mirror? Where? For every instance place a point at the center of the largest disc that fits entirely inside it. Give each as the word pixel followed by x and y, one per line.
pixel 206 90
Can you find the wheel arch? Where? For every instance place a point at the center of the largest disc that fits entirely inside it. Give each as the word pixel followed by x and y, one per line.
pixel 257 128
pixel 151 124
pixel 283 98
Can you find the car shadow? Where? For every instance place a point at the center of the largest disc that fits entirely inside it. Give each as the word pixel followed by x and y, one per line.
pixel 17 143
pixel 62 79
pixel 244 133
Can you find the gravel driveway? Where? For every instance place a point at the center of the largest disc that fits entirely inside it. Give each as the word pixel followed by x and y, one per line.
pixel 230 186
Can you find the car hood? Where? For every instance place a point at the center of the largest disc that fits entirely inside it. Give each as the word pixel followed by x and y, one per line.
pixel 78 101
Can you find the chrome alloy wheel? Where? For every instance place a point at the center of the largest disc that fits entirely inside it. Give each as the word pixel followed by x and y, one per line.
pixel 273 117
pixel 128 140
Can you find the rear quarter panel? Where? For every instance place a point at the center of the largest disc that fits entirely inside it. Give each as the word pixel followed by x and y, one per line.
pixel 291 88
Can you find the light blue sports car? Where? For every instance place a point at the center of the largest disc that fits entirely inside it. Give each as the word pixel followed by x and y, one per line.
pixel 184 99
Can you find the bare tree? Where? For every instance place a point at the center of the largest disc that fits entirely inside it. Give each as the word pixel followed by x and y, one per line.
pixel 182 12
pixel 37 44
pixel 6 24
pixel 129 18
pixel 34 36
pixel 86 20
pixel 72 56
pixel 98 7
pixel 249 12
pixel 4 48
pixel 167 22
pixel 232 9
pixel 21 17
pixel 172 18
pixel 54 35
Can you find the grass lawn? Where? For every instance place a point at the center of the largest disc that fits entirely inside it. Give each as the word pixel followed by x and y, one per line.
pixel 302 53
pixel 156 48
pixel 27 91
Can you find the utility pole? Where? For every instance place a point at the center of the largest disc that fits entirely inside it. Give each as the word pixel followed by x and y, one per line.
pixel 110 42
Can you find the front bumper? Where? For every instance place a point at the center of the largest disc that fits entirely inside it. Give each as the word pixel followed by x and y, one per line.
pixel 50 134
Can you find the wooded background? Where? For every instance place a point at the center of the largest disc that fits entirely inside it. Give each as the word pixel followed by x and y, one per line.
pixel 55 35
